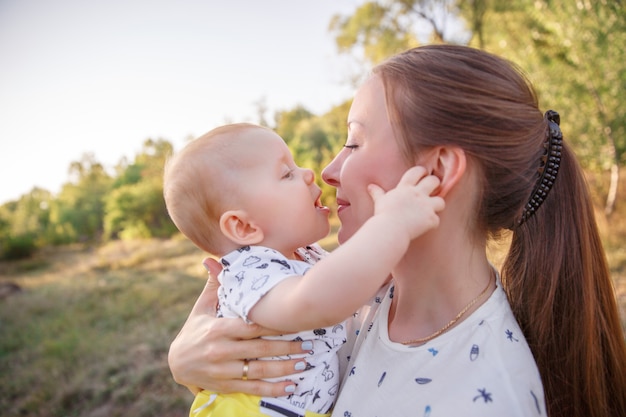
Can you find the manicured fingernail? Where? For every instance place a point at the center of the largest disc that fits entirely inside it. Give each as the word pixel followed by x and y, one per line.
pixel 300 366
pixel 307 345
pixel 290 388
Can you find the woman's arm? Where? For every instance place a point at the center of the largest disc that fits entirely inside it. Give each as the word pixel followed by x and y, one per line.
pixel 208 352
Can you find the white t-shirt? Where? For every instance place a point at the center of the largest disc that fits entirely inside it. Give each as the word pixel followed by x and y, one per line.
pixel 482 367
pixel 248 274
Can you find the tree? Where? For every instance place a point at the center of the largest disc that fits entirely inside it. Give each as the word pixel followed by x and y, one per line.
pixel 77 212
pixel 379 29
pixel 287 122
pixel 24 224
pixel 576 54
pixel 135 207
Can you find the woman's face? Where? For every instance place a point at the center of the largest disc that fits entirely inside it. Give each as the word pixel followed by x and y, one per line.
pixel 371 155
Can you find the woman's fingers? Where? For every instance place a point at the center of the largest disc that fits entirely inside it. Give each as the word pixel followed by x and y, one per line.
pixel 207 301
pixel 246 338
pixel 258 387
pixel 263 369
pixel 259 369
pixel 213 267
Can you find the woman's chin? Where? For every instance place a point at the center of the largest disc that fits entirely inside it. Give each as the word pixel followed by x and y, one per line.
pixel 343 234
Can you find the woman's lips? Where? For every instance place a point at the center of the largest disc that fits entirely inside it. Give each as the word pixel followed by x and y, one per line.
pixel 341 205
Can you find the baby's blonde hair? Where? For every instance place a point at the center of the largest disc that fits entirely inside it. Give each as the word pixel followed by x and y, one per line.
pixel 196 185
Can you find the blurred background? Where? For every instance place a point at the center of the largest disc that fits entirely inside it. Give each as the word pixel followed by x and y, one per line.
pixel 95 281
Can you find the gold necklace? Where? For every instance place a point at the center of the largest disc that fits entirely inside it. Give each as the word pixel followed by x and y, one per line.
pixel 451 322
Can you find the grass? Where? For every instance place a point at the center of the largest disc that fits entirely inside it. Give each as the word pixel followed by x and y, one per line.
pixel 88 334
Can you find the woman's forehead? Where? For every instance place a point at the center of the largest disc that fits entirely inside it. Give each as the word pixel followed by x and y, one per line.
pixel 369 101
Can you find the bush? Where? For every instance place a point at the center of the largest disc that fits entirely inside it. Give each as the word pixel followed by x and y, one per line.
pixel 18 247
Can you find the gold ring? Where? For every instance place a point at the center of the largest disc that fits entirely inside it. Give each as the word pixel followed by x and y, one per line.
pixel 244 375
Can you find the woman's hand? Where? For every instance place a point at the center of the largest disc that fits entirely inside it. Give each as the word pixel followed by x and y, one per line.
pixel 209 352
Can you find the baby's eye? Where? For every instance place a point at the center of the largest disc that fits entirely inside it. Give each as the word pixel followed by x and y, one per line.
pixel 288 174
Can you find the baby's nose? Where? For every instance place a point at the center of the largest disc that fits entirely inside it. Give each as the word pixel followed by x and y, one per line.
pixel 309 176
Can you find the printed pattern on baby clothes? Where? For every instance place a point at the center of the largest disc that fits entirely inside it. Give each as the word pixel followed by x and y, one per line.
pixel 248 274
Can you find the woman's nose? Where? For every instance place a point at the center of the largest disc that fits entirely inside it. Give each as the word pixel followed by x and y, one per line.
pixel 330 174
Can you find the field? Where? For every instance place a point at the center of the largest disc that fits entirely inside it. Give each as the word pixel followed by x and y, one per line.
pixel 88 332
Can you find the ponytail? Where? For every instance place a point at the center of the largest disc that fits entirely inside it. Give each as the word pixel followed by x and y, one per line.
pixel 560 289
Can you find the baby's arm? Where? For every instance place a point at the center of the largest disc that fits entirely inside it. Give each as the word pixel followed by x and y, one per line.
pixel 342 282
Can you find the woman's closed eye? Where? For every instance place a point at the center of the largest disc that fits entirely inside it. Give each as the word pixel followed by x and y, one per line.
pixel 351 146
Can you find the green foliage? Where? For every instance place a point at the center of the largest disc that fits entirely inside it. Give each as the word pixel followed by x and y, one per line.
pixel 135 207
pixel 90 205
pixel 17 247
pixel 23 224
pixel 78 211
pixel 575 53
pixel 375 28
pixel 287 122
pixel 137 211
pixel 379 29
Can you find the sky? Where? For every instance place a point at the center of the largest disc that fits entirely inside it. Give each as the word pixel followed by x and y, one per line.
pixel 102 76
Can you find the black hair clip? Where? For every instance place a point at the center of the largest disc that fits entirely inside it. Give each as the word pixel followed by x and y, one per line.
pixel 549 166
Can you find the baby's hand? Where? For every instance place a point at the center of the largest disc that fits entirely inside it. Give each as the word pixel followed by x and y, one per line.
pixel 410 203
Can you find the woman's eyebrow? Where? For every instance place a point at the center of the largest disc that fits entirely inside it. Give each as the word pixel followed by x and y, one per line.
pixel 355 122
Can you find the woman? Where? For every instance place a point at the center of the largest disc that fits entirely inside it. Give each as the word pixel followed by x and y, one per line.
pixel 472 120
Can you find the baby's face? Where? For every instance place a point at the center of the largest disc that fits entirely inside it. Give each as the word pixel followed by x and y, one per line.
pixel 282 198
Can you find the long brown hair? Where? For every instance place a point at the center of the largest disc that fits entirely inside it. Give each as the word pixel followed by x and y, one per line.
pixel 555 274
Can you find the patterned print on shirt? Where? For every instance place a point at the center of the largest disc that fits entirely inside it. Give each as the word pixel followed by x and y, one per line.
pixel 484 395
pixel 319 332
pixel 251 260
pixel 327 373
pixel 536 402
pixel 259 282
pixel 282 263
pixel 240 277
pixel 509 335
pixel 474 353
pixel 382 378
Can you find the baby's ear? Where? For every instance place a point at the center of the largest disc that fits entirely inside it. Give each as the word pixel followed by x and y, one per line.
pixel 237 226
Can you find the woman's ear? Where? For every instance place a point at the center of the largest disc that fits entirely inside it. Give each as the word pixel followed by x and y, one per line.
pixel 237 226
pixel 448 164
